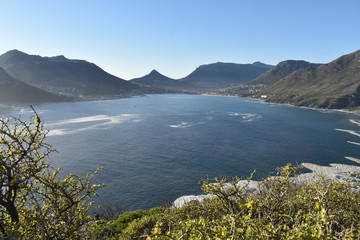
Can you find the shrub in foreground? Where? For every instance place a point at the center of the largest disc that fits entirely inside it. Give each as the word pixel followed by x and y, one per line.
pixel 35 203
pixel 280 209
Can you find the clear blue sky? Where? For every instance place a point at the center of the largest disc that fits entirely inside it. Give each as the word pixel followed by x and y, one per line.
pixel 130 38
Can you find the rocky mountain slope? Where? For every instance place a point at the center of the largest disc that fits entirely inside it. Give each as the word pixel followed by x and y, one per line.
pixel 219 75
pixel 62 75
pixel 13 91
pixel 280 71
pixel 266 79
pixel 332 85
pixel 156 80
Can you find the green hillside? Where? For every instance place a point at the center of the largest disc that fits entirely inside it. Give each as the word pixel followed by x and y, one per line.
pixel 332 85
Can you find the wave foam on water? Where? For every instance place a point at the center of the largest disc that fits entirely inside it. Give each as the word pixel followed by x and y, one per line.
pixel 335 171
pixel 357 122
pixel 352 132
pixel 185 125
pixel 105 122
pixel 353 159
pixel 355 143
pixel 247 117
pixel 111 119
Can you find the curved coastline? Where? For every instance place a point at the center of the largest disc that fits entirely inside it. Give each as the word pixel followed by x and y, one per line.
pixel 335 172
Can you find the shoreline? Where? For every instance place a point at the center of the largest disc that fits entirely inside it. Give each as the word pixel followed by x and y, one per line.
pixel 123 96
pixel 288 104
pixel 334 172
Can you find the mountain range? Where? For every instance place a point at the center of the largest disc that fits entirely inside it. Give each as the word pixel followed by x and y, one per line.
pixel 31 78
pixel 217 75
pixel 63 76
pixel 332 85
pixel 158 81
pixel 14 91
pixel 205 77
pixel 266 79
pixel 281 70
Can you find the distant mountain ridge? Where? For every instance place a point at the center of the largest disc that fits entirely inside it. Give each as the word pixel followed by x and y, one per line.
pixel 61 75
pixel 33 78
pixel 281 70
pixel 266 79
pixel 209 76
pixel 332 85
pixel 13 91
pixel 156 80
pixel 218 75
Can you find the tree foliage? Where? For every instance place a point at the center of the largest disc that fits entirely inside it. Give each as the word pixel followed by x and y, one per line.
pixel 35 203
pixel 280 209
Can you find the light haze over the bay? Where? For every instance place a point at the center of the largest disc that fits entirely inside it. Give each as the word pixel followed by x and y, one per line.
pixel 130 38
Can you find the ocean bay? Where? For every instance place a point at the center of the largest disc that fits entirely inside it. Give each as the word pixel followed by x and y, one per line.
pixel 159 147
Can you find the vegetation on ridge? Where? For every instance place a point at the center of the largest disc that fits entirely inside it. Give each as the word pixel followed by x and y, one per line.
pixel 332 85
pixel 279 210
pixel 35 203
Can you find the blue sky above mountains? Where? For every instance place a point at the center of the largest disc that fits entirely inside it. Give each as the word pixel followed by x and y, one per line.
pixel 130 38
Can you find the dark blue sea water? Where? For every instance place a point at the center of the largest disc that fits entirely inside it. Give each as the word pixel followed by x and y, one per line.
pixel 159 147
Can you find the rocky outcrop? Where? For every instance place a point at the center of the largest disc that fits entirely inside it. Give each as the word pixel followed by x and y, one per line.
pixel 249 185
pixel 338 172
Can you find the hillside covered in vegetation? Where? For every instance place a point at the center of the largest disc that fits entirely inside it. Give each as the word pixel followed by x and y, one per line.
pixel 278 209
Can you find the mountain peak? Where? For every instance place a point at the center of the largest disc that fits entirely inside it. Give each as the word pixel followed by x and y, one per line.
pixel 289 62
pixel 17 56
pixel 220 74
pixel 59 58
pixel 331 85
pixel 15 51
pixel 76 78
pixel 281 70
pixel 14 54
pixel 154 72
pixel 260 64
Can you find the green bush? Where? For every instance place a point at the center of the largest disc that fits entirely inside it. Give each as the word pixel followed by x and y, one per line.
pixel 35 202
pixel 280 209
pixel 104 229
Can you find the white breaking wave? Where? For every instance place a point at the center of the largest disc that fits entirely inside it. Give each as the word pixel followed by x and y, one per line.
pixel 26 110
pixel 248 117
pixel 96 122
pixel 357 122
pixel 353 159
pixel 57 132
pixel 185 125
pixel 234 114
pixel 355 143
pixel 29 111
pixel 348 131
pixel 111 119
